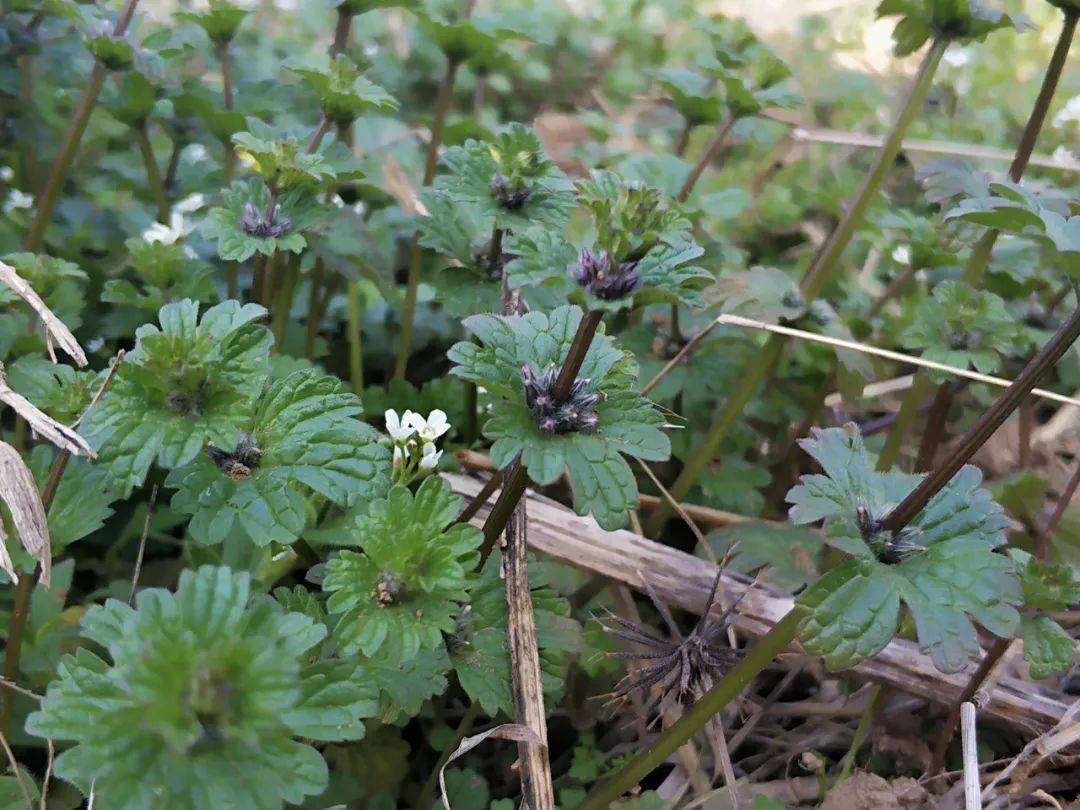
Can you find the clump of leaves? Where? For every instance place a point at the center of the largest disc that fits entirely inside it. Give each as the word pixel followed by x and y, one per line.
pixel 943 566
pixel 1048 648
pixel 61 285
pixel 220 20
pixel 252 220
pixel 960 326
pixel 344 93
pixel 187 381
pixel 640 252
pixel 304 437
pixel 164 273
pixel 406 585
pixel 602 481
pixel 962 20
pixel 202 689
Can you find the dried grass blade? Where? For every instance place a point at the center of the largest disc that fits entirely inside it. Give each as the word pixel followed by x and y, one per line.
pixel 54 327
pixel 19 491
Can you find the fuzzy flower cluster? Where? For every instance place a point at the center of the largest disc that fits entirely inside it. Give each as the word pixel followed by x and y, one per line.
pixel 413 437
pixel 510 195
pixel 603 276
pixel 576 413
pixel 258 224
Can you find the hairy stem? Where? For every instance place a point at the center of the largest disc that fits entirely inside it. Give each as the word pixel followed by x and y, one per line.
pixel 756 660
pixel 356 347
pixel 153 175
pixel 416 253
pixel 819 272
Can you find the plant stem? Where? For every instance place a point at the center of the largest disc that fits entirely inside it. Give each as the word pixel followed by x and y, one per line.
pixel 989 422
pixel 225 61
pixel 1047 530
pixel 46 200
pixel 153 175
pixel 905 418
pixel 481 498
pixel 819 272
pixel 356 353
pixel 575 355
pixel 342 31
pixel 282 305
pixel 934 431
pixel 859 737
pixel 317 136
pixel 756 660
pixel 315 311
pixel 712 149
pixel 828 256
pixel 416 254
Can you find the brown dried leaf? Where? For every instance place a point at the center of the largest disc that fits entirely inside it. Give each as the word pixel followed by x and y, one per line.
pixel 507 731
pixel 401 188
pixel 42 424
pixel 19 491
pixel 54 327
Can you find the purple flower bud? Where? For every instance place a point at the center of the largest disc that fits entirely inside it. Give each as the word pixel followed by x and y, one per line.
pixel 577 413
pixel 603 277
pixel 255 223
pixel 509 197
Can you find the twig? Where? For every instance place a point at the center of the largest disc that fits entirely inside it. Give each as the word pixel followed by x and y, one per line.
pixel 716 143
pixel 481 497
pixel 16 770
pixel 840 343
pixel 1046 532
pixel 464 726
pixel 48 774
pixel 14 687
pixel 702 542
pixel 972 801
pixel 678 358
pixel 55 329
pixel 142 544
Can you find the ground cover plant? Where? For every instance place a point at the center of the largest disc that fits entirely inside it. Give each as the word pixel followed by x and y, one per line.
pixel 472 404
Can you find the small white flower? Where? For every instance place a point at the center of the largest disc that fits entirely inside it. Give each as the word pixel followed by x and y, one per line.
pixel 190 204
pixel 902 254
pixel 166 234
pixel 1069 112
pixel 7 174
pixel 431 428
pixel 431 457
pixel 197 153
pixel 400 429
pixel 18 199
pixel 399 458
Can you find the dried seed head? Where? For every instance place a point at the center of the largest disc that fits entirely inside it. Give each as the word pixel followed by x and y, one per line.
pixel 387 590
pixel 241 462
pixel 681 669
pixel 576 413
pixel 604 277
pixel 888 547
pixel 256 223
pixel 510 196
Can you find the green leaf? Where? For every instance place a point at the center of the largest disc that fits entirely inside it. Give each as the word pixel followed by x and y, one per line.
pixel 601 479
pixel 406 585
pixel 790 554
pixel 960 20
pixel 1047 586
pixel 405 685
pixel 81 504
pixel 509 180
pixel 186 382
pixel 163 274
pixel 303 437
pixel 942 566
pixel 344 94
pixel 236 244
pixel 478 647
pixel 220 20
pixel 962 327
pixel 1048 649
pixel 189 713
pixel 335 697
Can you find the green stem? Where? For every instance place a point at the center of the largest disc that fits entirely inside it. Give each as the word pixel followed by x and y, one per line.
pixel 859 737
pixel 712 702
pixel 356 353
pixel 315 310
pixel 816 277
pixel 225 61
pixel 416 253
pixel 153 174
pixel 47 199
pixel 905 418
pixel 712 149
pixel 283 299
pixel 828 256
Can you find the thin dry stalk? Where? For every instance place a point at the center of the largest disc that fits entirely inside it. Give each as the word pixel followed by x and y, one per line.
pixel 142 544
pixel 702 542
pixel 16 770
pixel 19 491
pixel 54 327
pixel 48 775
